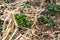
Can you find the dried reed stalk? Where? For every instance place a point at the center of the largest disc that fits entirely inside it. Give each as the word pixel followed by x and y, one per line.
pixel 8 31
pixel 13 34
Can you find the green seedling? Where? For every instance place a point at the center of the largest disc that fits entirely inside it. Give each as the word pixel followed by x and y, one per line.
pixel 22 20
pixel 47 20
pixel 43 19
pixel 51 23
pixel 52 8
pixel 49 14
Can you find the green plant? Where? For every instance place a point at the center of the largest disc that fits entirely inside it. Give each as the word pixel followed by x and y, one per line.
pixel 47 20
pixel 48 14
pixel 8 1
pixel 52 8
pixel 43 19
pixel 33 2
pixel 52 22
pixel 22 20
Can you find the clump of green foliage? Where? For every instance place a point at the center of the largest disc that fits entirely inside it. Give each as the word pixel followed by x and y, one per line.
pixel 22 20
pixel 52 8
pixel 8 1
pixel 49 13
pixel 52 22
pixel 47 20
pixel 42 19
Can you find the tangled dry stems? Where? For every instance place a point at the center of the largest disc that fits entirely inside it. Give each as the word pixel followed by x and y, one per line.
pixel 10 30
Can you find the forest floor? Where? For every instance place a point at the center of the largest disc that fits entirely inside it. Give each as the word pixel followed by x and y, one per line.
pixel 41 29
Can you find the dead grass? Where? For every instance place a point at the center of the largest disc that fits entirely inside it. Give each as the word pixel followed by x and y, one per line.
pixel 11 31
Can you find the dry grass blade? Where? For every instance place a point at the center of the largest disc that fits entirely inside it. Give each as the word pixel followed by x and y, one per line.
pixel 4 38
pixel 13 34
pixel 18 37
